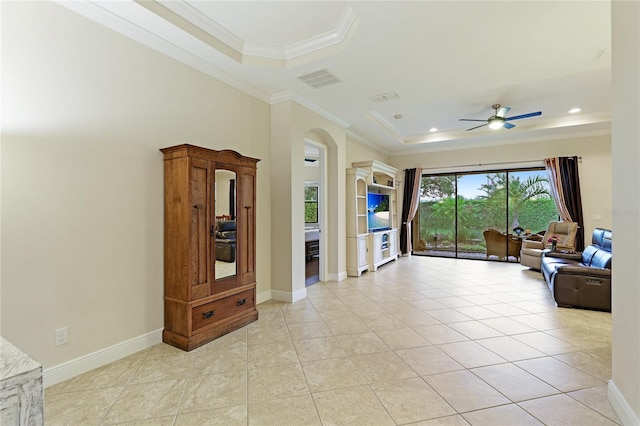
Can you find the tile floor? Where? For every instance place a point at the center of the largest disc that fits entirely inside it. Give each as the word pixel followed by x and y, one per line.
pixel 423 341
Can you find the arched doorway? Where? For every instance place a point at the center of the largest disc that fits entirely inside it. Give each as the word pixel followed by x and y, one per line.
pixel 315 188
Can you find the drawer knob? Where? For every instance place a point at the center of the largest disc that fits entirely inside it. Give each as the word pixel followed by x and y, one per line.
pixel 209 314
pixel 242 301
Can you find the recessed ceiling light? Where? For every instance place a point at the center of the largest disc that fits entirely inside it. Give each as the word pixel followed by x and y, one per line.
pixel 433 129
pixel 397 116
pixel 574 110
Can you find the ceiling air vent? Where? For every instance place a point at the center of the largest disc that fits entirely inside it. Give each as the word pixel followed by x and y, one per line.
pixel 318 79
pixel 385 97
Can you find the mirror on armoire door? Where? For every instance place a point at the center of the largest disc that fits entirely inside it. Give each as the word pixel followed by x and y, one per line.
pixel 225 224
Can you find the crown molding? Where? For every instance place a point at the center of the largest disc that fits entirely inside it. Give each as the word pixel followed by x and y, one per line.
pixel 211 27
pixel 100 12
pixel 565 123
pixel 264 54
pixel 285 95
pixel 290 95
pixel 345 28
pixel 475 143
pixel 376 117
pixel 370 145
pixel 194 49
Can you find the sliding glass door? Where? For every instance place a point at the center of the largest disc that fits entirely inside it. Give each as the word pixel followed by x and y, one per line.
pixel 482 215
pixel 481 206
pixel 437 216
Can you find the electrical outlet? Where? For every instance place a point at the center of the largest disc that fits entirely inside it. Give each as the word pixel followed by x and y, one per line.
pixel 62 336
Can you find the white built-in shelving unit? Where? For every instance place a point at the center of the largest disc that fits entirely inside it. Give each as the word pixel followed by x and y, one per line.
pixel 368 250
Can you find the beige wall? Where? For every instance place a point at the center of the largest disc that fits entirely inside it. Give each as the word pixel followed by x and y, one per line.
pixel 625 383
pixel 85 111
pixel 358 151
pixel 291 124
pixel 595 168
pixel 281 231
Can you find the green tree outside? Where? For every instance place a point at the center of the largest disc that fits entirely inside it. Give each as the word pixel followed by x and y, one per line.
pixel 311 204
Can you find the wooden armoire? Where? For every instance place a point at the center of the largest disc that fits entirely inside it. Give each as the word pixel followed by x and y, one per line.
pixel 209 244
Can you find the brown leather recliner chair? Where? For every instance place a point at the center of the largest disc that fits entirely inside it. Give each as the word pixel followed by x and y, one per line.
pixel 581 280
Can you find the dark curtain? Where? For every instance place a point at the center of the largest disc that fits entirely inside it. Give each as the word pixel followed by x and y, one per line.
pixel 409 206
pixel 232 198
pixel 568 168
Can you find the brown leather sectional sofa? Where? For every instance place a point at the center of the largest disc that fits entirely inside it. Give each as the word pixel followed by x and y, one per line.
pixel 581 280
pixel 226 241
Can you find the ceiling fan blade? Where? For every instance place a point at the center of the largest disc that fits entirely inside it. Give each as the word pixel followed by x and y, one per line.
pixel 470 119
pixel 508 125
pixel 482 125
pixel 518 117
pixel 502 112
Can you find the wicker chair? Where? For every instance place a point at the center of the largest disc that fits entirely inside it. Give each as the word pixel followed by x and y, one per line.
pixel 502 245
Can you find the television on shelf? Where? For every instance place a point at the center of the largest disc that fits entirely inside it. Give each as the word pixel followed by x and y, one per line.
pixel 378 212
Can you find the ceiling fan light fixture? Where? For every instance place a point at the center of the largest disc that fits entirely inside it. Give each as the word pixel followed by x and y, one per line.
pixel 496 122
pixel 499 119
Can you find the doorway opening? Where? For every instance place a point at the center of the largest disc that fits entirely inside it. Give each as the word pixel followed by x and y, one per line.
pixel 314 192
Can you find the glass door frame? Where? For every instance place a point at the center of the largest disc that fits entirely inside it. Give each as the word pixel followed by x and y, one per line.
pixel 506 180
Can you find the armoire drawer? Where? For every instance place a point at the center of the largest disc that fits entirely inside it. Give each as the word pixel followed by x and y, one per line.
pixel 211 313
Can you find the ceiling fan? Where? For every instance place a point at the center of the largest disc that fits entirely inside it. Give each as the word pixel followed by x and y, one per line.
pixel 499 120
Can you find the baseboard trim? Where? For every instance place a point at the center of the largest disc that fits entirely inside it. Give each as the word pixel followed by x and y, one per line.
pixel 620 405
pixel 299 295
pixel 341 276
pixel 282 296
pixel 286 296
pixel 263 297
pixel 70 369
